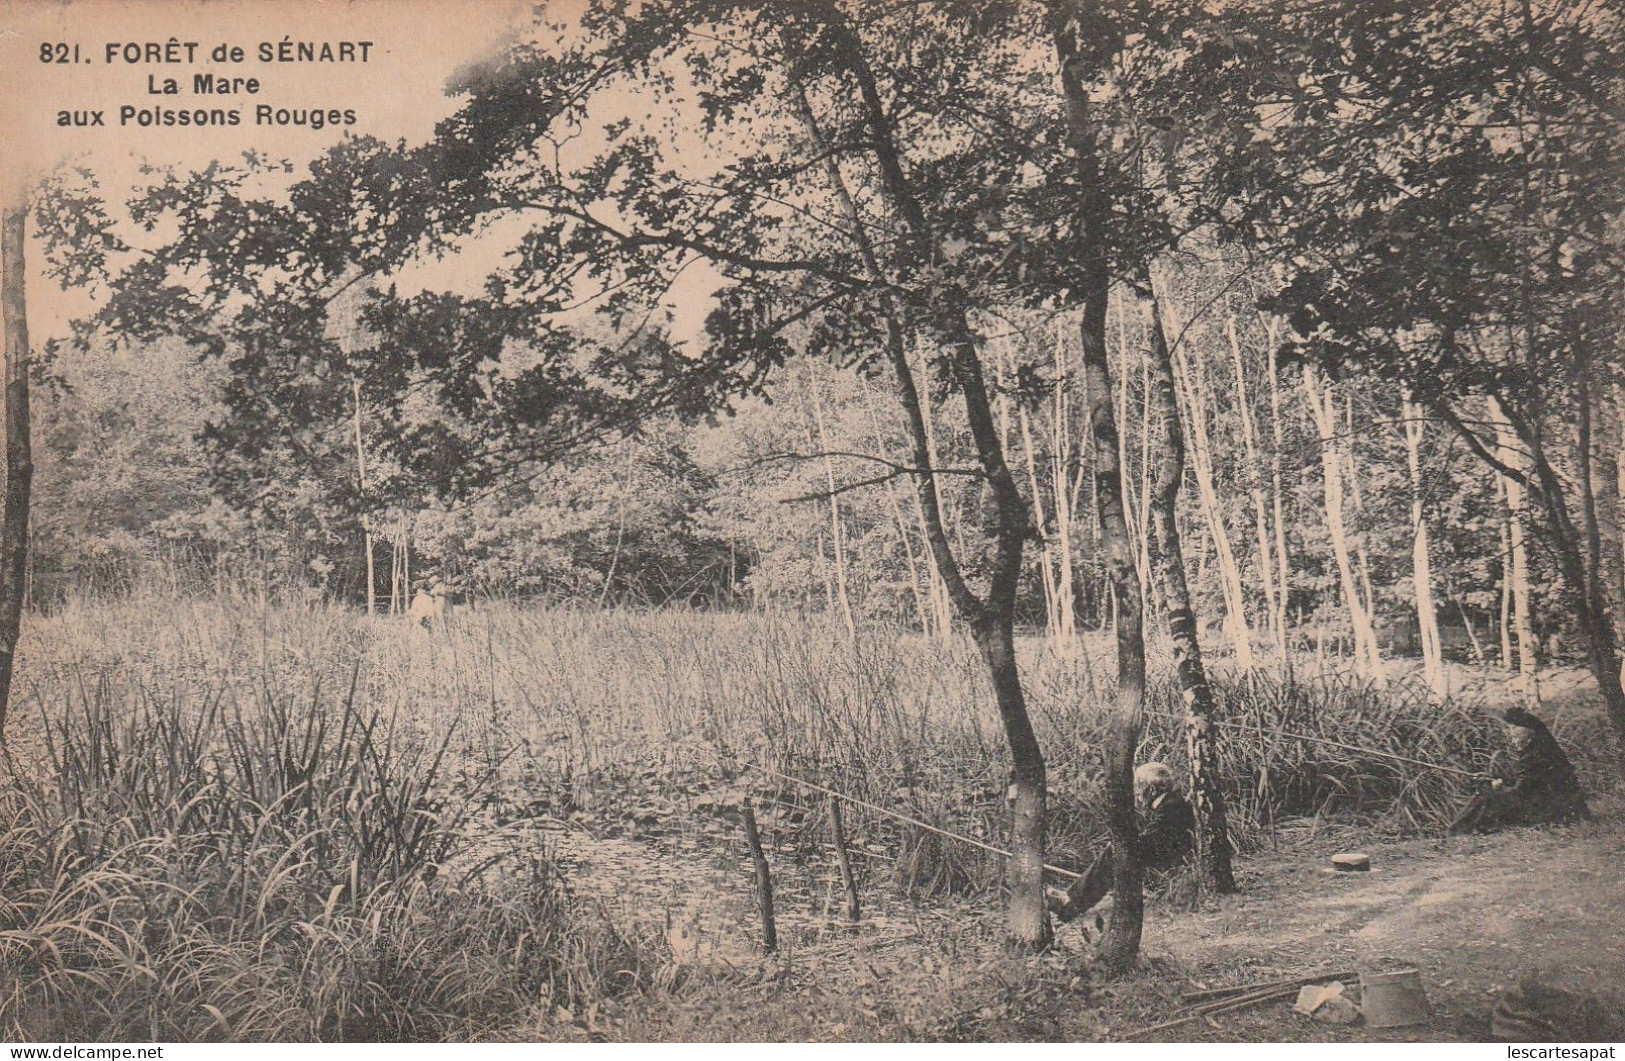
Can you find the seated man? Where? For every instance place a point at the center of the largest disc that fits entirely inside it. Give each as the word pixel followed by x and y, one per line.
pixel 1544 787
pixel 1167 829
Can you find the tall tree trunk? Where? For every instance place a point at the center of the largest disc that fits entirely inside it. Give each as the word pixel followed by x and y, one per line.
pixel 1505 630
pixel 1063 455
pixel 1509 452
pixel 1323 406
pixel 919 588
pixel 1085 43
pixel 1235 599
pixel 1255 481
pixel 1120 945
pixel 843 598
pixel 361 483
pixel 1212 832
pixel 1283 579
pixel 1054 608
pixel 1361 553
pixel 1427 616
pixel 941 598
pixel 19 455
pixel 1133 513
pixel 993 627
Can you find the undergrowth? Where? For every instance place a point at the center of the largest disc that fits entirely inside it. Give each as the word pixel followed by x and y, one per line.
pixel 225 818
pixel 213 861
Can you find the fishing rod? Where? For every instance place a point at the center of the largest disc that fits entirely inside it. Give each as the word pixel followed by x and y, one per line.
pixel 885 811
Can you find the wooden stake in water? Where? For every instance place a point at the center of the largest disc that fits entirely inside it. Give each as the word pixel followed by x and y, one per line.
pixel 764 878
pixel 844 859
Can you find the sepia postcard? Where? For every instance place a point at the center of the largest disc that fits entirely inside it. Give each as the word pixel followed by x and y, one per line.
pixel 817 521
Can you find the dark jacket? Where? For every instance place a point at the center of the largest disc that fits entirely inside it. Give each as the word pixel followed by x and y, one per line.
pixel 1543 780
pixel 1167 832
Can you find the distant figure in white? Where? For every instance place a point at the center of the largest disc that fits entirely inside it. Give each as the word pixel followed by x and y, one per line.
pixel 429 605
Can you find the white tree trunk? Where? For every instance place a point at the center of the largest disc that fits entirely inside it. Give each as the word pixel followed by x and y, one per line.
pixel 1507 659
pixel 1195 403
pixel 919 587
pixel 1066 489
pixel 1053 606
pixel 941 605
pixel 361 481
pixel 1283 579
pixel 1510 453
pixel 1427 618
pixel 1323 408
pixel 1134 509
pixel 1255 483
pixel 843 599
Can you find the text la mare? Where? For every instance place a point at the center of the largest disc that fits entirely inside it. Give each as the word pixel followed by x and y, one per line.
pixel 204 85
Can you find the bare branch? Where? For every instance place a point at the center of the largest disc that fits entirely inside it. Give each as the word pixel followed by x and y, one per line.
pixel 899 469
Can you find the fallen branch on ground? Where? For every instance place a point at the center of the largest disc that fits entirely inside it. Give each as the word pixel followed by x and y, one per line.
pixel 1194 997
pixel 1248 997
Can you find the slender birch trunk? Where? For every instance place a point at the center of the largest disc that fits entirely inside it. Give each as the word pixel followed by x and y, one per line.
pixel 837 534
pixel 361 482
pixel 1507 658
pixel 941 601
pixel 1066 495
pixel 395 575
pixel 1236 626
pixel 990 617
pixel 1133 512
pixel 1255 486
pixel 1283 578
pixel 1427 616
pixel 1142 528
pixel 1323 407
pixel 1510 453
pixel 1361 553
pixel 1212 832
pixel 1052 597
pixel 1083 51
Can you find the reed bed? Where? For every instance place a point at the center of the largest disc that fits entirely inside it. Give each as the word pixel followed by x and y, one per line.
pixel 234 818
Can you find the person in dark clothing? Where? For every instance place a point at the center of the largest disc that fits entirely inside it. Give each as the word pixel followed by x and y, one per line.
pixel 1167 831
pixel 1544 787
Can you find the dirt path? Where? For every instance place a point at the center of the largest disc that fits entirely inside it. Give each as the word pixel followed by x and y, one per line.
pixel 1472 915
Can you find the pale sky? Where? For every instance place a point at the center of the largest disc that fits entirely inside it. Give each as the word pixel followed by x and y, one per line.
pixel 413 46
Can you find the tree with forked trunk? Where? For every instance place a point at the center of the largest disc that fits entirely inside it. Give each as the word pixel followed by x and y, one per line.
pixel 1085 43
pixel 1207 798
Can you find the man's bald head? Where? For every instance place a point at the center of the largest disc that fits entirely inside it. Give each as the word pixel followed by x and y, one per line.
pixel 1153 779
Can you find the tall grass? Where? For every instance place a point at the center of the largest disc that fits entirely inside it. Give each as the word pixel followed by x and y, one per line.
pixel 232 818
pixel 197 844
